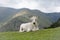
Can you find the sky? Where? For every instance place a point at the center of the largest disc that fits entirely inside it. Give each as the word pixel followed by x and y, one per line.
pixel 42 5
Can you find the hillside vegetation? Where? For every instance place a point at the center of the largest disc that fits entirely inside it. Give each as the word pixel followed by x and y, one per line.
pixel 44 34
pixel 22 16
pixel 10 19
pixel 56 24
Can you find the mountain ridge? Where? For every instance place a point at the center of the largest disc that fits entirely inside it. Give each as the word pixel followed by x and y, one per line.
pixel 15 17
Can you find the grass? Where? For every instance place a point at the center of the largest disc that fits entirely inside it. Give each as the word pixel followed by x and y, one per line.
pixel 45 34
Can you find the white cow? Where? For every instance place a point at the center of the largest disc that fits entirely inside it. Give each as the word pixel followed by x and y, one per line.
pixel 30 26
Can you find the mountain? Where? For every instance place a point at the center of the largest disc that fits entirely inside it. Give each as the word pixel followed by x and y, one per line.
pixel 6 14
pixel 10 19
pixel 56 24
pixel 54 16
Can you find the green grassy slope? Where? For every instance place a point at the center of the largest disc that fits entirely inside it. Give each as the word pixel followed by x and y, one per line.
pixel 45 34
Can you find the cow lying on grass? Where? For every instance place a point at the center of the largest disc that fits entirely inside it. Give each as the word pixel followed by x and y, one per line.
pixel 30 26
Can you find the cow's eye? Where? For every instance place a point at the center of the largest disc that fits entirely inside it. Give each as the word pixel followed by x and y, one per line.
pixel 34 23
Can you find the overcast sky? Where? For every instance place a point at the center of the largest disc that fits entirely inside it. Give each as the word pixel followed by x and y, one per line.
pixel 43 5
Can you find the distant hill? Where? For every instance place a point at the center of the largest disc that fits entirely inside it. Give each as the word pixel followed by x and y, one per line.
pixel 6 14
pixel 54 16
pixel 11 19
pixel 56 24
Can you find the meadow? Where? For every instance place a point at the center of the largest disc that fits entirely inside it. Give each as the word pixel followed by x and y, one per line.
pixel 43 34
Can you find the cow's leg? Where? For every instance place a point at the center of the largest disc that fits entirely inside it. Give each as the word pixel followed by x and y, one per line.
pixel 37 28
pixel 21 30
pixel 34 29
pixel 28 30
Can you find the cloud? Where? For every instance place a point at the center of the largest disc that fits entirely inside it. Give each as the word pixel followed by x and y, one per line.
pixel 43 5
